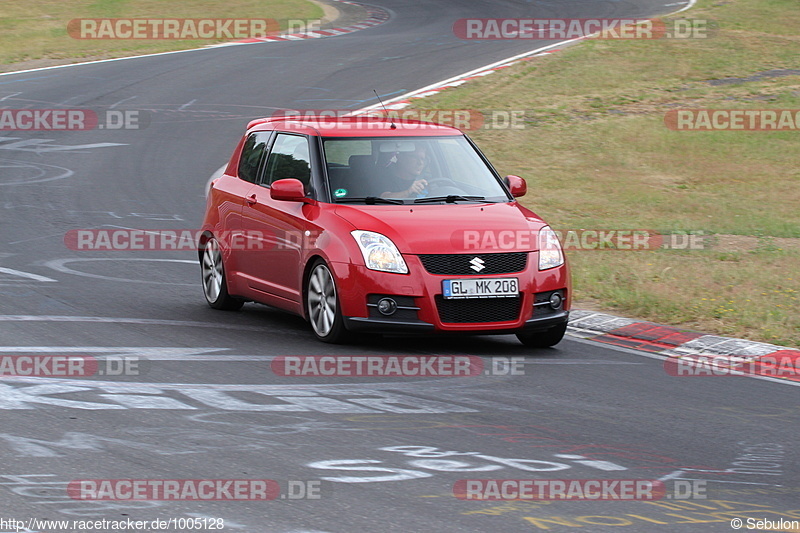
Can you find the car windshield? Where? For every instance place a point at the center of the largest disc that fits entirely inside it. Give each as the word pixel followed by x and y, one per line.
pixel 409 169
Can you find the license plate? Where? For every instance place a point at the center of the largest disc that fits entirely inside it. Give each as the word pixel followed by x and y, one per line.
pixel 480 288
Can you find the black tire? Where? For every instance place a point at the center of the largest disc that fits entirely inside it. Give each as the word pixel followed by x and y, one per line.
pixel 323 311
pixel 543 339
pixel 215 285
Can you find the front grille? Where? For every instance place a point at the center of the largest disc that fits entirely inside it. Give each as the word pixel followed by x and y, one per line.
pixel 460 310
pixel 460 265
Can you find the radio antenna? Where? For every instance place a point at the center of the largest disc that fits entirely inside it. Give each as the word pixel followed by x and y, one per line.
pixel 386 110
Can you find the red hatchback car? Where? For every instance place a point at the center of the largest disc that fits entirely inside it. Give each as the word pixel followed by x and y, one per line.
pixel 380 226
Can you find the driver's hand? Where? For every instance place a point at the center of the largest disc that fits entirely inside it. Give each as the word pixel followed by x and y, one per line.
pixel 417 187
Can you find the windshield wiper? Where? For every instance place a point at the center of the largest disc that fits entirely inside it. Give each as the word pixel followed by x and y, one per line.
pixel 450 198
pixel 370 200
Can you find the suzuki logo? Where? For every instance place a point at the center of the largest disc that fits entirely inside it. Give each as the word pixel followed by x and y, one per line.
pixel 477 264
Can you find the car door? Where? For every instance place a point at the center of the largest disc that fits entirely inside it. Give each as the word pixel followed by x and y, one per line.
pixel 229 191
pixel 274 229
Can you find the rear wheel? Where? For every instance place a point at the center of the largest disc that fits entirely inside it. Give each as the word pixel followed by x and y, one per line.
pixel 322 305
pixel 543 339
pixel 215 286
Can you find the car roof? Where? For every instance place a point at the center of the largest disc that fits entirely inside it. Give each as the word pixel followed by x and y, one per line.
pixel 356 126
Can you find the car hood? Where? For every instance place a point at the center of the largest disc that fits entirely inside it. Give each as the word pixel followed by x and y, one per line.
pixel 449 228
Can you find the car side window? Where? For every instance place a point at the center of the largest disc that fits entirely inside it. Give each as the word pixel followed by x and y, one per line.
pixel 252 152
pixel 289 158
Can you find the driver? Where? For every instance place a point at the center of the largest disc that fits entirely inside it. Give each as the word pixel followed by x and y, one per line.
pixel 403 174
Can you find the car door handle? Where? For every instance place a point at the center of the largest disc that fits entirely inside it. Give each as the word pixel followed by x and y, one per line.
pixel 251 199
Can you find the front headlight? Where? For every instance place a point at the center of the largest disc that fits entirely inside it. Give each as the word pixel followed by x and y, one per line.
pixel 379 252
pixel 550 255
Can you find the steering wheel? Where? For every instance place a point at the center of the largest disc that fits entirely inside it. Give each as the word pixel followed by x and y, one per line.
pixel 438 183
pixel 443 186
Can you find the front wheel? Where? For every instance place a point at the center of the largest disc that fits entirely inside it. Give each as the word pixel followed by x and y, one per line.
pixel 322 305
pixel 215 286
pixel 543 339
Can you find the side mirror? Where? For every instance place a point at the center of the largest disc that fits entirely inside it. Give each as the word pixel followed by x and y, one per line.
pixel 516 185
pixel 289 190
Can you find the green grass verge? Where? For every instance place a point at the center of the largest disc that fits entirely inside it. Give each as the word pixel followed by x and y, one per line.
pixel 597 154
pixel 33 33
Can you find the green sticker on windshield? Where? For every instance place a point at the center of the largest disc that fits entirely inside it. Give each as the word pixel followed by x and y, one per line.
pixel 338 193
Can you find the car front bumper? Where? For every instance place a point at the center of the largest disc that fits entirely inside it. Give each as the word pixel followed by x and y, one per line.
pixel 378 325
pixel 424 310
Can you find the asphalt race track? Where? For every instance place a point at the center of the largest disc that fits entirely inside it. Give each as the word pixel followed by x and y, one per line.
pixel 384 454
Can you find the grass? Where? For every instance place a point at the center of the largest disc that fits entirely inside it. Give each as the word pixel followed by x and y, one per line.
pixel 596 154
pixel 35 33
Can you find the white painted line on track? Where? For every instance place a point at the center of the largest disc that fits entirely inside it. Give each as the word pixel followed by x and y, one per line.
pixel 484 70
pixel 300 389
pixel 59 235
pixel 145 351
pixel 191 354
pixel 367 24
pixel 121 320
pixel 40 167
pixel 115 104
pixel 39 69
pixel 688 6
pixel 27 275
pixel 187 104
pixel 576 362
pixel 58 264
pixel 474 72
pixel 678 474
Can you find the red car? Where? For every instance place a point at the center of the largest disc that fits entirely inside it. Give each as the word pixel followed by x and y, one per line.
pixel 380 226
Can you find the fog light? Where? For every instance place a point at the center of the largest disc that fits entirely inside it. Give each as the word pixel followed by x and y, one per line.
pixel 387 306
pixel 555 300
